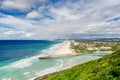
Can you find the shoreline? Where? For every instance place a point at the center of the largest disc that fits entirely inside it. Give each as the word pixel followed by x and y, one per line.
pixel 61 58
pixel 87 71
pixel 67 68
pixel 49 74
pixel 63 50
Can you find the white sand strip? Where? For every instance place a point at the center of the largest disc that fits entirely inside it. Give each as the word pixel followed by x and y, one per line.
pixel 63 50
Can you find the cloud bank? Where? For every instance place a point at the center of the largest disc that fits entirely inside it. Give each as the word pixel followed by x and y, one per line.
pixel 53 19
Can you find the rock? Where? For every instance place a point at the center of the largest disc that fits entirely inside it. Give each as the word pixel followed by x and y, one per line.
pixel 44 57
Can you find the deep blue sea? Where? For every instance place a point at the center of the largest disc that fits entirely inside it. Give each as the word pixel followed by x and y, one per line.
pixel 11 50
pixel 19 59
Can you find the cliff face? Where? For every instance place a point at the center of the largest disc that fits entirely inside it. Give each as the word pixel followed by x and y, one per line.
pixel 105 68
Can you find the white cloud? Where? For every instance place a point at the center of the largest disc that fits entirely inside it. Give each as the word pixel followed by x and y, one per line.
pixel 33 15
pixel 16 4
pixel 14 32
pixel 16 22
pixel 65 14
pixel 104 28
pixel 22 5
pixel 69 19
pixel 19 33
pixel 111 2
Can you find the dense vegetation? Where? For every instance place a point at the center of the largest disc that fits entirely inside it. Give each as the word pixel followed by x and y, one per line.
pixel 105 68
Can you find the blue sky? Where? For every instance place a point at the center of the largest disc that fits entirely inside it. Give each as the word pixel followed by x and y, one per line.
pixel 52 19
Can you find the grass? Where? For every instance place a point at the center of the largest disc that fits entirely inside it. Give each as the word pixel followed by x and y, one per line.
pixel 105 68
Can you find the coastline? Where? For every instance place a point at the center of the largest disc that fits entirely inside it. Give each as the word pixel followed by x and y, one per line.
pixel 61 56
pixel 49 74
pixel 70 67
pixel 63 50
pixel 82 70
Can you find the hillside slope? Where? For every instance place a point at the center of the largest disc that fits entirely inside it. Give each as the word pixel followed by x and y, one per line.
pixel 105 68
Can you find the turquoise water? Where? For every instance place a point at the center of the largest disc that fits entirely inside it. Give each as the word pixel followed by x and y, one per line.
pixel 28 68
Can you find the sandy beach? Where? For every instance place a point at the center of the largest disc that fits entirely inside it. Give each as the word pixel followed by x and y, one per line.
pixel 63 50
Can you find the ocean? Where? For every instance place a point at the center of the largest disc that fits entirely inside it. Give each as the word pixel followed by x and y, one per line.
pixel 19 59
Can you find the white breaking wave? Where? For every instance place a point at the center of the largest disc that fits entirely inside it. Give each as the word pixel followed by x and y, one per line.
pixel 61 63
pixel 22 63
pixel 57 67
pixel 6 79
pixel 26 73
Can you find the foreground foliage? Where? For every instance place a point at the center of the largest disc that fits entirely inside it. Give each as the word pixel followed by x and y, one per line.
pixel 105 68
